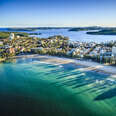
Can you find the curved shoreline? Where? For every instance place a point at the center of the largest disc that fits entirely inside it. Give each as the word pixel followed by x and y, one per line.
pixel 41 83
pixel 88 65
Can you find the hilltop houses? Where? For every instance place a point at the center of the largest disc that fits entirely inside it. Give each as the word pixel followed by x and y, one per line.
pixel 36 50
pixel 11 50
pixel 59 46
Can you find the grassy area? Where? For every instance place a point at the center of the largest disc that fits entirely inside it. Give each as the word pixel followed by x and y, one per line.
pixel 4 35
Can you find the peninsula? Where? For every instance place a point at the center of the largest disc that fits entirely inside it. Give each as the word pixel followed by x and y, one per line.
pixel 17 43
pixel 104 32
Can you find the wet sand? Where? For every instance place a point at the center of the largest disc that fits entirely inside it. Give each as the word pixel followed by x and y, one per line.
pixel 87 65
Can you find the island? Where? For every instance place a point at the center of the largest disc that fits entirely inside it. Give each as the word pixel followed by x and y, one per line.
pixel 35 33
pixel 85 28
pixel 104 32
pixel 30 29
pixel 23 29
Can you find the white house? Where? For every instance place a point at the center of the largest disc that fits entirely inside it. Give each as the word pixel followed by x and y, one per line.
pixel 11 37
pixel 1 43
pixel 114 51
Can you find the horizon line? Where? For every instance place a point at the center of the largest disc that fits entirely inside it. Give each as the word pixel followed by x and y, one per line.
pixel 51 26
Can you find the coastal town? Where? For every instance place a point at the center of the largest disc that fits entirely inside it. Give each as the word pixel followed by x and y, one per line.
pixel 18 44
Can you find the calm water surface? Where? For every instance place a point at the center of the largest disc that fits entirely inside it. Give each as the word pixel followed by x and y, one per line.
pixel 29 87
pixel 74 36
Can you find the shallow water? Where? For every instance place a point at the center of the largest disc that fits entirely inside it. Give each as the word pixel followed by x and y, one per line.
pixel 29 87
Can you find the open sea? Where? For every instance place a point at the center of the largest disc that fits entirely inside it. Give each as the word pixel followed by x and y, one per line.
pixel 29 87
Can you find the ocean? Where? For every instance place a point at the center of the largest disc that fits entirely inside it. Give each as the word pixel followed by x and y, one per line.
pixel 29 87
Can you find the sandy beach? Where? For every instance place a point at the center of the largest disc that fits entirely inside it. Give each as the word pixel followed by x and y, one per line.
pixel 87 65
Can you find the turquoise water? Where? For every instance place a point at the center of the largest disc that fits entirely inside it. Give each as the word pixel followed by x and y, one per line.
pixel 29 87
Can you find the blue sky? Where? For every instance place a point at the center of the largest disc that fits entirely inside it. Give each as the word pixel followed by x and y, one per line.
pixel 19 13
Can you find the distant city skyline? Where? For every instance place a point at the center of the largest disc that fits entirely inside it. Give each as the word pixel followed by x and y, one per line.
pixel 57 13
